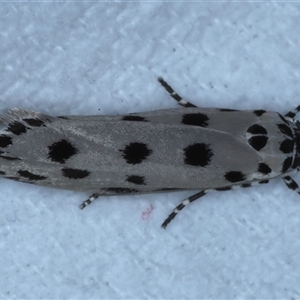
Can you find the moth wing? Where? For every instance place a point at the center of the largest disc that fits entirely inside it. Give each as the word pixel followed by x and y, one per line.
pixel 173 149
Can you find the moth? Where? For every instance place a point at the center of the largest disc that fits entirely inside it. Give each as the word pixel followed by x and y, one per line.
pixel 179 149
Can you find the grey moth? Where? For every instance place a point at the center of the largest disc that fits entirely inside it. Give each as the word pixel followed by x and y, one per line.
pixel 186 148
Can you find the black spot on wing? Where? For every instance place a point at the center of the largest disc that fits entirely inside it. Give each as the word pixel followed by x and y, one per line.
pixel 198 154
pixel 28 175
pixel 287 164
pixel 263 181
pixel 135 153
pixel 227 109
pixel 9 157
pixel 136 179
pixel 259 112
pixel 15 178
pixel 169 189
pixel 225 188
pixel 34 122
pixel 287 146
pixel 197 119
pixel 258 142
pixel 74 173
pixel 134 118
pixel 16 128
pixel 285 130
pixel 119 190
pixel 235 176
pixel 257 129
pixel 264 168
pixel 61 151
pixel 246 185
pixel 5 141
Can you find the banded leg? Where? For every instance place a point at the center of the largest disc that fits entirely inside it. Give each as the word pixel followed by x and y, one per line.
pixel 291 184
pixel 181 206
pixel 173 94
pixel 88 201
pixel 292 113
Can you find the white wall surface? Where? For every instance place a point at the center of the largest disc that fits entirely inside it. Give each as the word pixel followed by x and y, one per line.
pixel 104 58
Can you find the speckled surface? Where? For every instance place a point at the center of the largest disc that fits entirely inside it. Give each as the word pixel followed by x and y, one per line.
pixel 104 58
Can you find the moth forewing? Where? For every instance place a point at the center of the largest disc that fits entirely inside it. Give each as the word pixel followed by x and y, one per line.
pixel 187 148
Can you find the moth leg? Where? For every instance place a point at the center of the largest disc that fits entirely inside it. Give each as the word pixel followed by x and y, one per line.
pixel 293 112
pixel 291 184
pixel 174 95
pixel 182 205
pixel 88 201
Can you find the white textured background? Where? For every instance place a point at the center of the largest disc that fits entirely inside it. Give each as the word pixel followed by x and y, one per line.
pixel 104 58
